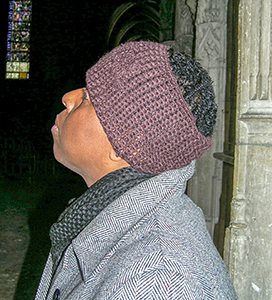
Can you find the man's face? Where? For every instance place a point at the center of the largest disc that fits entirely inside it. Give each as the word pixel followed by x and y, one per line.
pixel 80 142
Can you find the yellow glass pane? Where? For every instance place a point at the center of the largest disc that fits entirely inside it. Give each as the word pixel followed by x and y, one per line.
pixel 23 75
pixel 24 67
pixel 12 75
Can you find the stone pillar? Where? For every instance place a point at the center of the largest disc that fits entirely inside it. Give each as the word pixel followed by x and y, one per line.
pixel 248 242
pixel 210 45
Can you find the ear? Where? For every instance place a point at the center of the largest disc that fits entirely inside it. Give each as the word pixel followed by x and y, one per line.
pixel 113 156
pixel 119 162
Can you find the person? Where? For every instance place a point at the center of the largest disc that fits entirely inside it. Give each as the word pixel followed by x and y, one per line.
pixel 133 134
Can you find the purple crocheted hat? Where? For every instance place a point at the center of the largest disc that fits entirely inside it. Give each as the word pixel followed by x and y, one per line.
pixel 142 109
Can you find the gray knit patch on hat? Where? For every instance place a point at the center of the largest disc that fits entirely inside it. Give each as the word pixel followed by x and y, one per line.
pixel 142 110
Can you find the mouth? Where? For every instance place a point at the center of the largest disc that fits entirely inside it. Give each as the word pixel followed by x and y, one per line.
pixel 55 127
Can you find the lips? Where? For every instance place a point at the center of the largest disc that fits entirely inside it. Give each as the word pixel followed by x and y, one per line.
pixel 55 127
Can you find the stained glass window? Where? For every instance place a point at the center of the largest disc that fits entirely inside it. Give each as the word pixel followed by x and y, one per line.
pixel 19 18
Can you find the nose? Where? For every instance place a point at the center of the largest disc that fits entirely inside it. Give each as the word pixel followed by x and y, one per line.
pixel 72 99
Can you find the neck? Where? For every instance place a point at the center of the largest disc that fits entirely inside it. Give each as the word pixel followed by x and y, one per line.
pixel 94 175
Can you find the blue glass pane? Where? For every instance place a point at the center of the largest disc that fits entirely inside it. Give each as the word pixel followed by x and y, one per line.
pixel 25 36
pixel 26 16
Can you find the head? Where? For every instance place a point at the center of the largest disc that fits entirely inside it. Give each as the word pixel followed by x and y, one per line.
pixel 80 142
pixel 156 105
pixel 154 108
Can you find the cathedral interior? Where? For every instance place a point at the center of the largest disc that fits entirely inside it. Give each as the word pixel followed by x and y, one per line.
pixel 46 48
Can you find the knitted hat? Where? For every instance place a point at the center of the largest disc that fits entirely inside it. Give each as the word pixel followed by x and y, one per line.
pixel 142 109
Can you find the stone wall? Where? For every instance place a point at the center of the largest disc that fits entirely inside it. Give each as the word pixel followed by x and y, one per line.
pixel 248 244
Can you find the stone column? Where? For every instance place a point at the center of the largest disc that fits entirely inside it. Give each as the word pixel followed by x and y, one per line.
pixel 248 242
pixel 210 45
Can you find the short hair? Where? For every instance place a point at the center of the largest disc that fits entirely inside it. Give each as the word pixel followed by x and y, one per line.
pixel 197 89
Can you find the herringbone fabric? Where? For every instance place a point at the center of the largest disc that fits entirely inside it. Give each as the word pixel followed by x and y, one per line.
pixel 150 243
pixel 82 210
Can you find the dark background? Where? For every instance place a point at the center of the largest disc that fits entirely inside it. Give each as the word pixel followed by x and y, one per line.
pixel 67 37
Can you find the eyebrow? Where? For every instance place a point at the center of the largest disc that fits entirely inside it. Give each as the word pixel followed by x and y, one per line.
pixel 85 95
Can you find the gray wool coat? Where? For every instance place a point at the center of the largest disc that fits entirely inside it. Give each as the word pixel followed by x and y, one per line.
pixel 150 243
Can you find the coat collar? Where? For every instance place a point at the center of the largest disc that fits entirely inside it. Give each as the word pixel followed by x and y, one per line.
pixel 100 239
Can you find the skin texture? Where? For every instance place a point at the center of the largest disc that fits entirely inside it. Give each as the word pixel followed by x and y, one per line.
pixel 80 142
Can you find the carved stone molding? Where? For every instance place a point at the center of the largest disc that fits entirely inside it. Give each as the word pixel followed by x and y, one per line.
pixel 210 45
pixel 211 31
pixel 256 24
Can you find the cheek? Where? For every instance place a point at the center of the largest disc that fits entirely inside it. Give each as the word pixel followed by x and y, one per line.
pixel 69 143
pixel 66 143
pixel 81 141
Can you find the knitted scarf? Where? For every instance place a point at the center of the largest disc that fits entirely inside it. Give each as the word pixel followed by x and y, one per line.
pixel 85 208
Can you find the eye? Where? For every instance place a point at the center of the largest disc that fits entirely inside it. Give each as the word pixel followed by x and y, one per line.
pixel 85 95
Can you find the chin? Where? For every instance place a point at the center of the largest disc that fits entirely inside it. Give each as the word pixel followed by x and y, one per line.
pixel 60 159
pixel 58 156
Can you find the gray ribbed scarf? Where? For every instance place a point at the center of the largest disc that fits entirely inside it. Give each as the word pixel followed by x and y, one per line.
pixel 85 208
